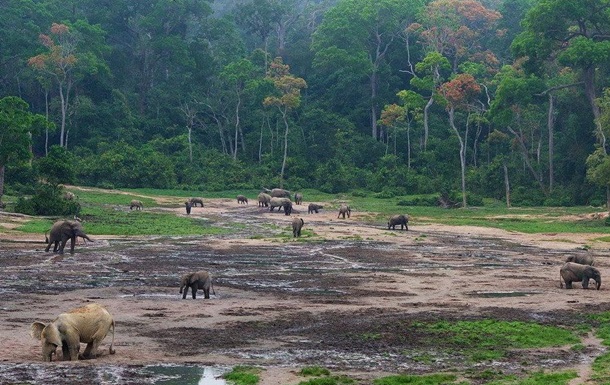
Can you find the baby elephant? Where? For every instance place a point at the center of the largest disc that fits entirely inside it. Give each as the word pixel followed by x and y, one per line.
pixel 396 220
pixel 582 259
pixel 137 204
pixel 297 225
pixel 314 208
pixel 242 199
pixel 343 210
pixel 575 272
pixel 198 280
pixel 88 324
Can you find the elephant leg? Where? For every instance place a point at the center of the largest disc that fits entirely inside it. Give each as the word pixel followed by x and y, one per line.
pixel 585 283
pixel 568 284
pixel 63 245
pixel 88 349
pixel 194 291
pixel 186 289
pixel 206 293
pixel 48 247
pixel 72 243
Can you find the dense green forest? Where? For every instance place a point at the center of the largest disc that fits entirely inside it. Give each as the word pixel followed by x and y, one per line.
pixel 501 99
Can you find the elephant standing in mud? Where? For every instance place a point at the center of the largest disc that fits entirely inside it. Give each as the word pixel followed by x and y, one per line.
pixel 344 210
pixel 88 324
pixel 279 203
pixel 278 193
pixel 188 206
pixel 575 272
pixel 242 199
pixel 297 225
pixel 196 201
pixel 298 198
pixel 314 208
pixel 264 199
pixel 138 205
pixel 582 259
pixel 198 280
pixel 396 220
pixel 63 230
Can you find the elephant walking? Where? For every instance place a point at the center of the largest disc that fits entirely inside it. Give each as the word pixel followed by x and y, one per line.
pixel 198 280
pixel 264 199
pixel 395 220
pixel 88 324
pixel 297 225
pixel 575 272
pixel 298 198
pixel 63 230
pixel 344 210
pixel 314 208
pixel 242 199
pixel 138 205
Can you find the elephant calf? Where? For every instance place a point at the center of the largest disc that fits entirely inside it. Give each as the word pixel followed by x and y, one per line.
pixel 88 324
pixel 198 280
pixel 396 220
pixel 138 205
pixel 314 208
pixel 263 199
pixel 344 210
pixel 242 199
pixel 297 225
pixel 575 272
pixel 298 198
pixel 196 201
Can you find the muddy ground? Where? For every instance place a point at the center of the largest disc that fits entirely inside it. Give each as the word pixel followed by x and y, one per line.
pixel 342 297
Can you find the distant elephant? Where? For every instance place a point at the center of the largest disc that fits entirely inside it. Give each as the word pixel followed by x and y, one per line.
pixel 278 193
pixel 196 201
pixel 575 272
pixel 63 230
pixel 297 225
pixel 137 204
pixel 242 199
pixel 69 196
pixel 198 280
pixel 343 210
pixel 88 324
pixel 396 220
pixel 314 208
pixel 298 198
pixel 188 207
pixel 278 202
pixel 582 259
pixel 264 199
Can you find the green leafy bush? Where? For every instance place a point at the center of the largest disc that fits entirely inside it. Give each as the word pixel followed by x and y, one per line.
pixel 47 200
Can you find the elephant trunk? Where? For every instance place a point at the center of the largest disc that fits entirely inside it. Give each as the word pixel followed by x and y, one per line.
pixel 599 283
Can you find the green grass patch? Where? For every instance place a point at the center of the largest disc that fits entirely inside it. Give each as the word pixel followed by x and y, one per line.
pixel 432 379
pixel 332 380
pixel 601 369
pixel 314 371
pixel 538 378
pixel 243 375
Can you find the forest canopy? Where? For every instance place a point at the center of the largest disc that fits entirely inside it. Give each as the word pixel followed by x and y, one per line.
pixel 503 99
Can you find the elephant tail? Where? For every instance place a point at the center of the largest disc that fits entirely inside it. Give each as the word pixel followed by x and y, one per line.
pixel 111 350
pixel 46 238
pixel 212 286
pixel 560 281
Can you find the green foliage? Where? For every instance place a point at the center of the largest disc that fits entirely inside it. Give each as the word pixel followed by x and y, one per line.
pixel 48 200
pixel 59 166
pixel 314 371
pixel 601 369
pixel 538 378
pixel 243 375
pixel 331 380
pixel 432 379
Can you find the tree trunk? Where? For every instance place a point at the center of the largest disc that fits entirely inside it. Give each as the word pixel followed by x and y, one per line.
pixel 550 125
pixel 589 80
pixel 1 186
pixel 506 184
pixel 462 153
pixel 284 116
pixel 426 115
pixel 374 132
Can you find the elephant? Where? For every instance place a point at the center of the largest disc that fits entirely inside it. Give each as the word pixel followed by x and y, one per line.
pixel 63 230
pixel 582 259
pixel 137 204
pixel 297 225
pixel 242 199
pixel 196 201
pixel 264 199
pixel 188 205
pixel 298 198
pixel 574 272
pixel 198 280
pixel 402 220
pixel 314 208
pixel 88 324
pixel 278 202
pixel 344 209
pixel 69 196
pixel 278 193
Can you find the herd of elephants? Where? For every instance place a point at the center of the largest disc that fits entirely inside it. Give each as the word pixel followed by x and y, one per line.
pixel 90 324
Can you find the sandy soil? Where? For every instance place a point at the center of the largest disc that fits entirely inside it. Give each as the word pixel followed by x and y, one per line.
pixel 283 304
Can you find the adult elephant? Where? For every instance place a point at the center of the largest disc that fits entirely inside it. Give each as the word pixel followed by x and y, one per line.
pixel 582 259
pixel 88 324
pixel 575 272
pixel 197 280
pixel 63 230
pixel 344 210
pixel 401 219
pixel 278 193
pixel 138 205
pixel 264 199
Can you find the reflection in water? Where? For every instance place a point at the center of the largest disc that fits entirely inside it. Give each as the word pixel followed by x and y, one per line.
pixel 186 375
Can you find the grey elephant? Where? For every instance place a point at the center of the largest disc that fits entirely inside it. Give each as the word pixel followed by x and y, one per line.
pixel 69 196
pixel 582 259
pixel 264 199
pixel 138 205
pixel 297 225
pixel 197 280
pixel 278 193
pixel 63 230
pixel 314 208
pixel 196 201
pixel 188 206
pixel 575 272
pixel 242 199
pixel 298 198
pixel 277 202
pixel 88 324
pixel 344 210
pixel 396 220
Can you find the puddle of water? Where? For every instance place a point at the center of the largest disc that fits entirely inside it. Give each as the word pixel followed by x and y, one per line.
pixel 502 294
pixel 186 375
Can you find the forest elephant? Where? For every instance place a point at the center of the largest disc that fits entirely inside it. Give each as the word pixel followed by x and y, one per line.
pixel 63 230
pixel 242 199
pixel 314 208
pixel 278 193
pixel 344 210
pixel 196 201
pixel 88 324
pixel 188 206
pixel 69 196
pixel 582 259
pixel 396 220
pixel 297 225
pixel 298 198
pixel 575 272
pixel 278 202
pixel 198 280
pixel 263 199
pixel 138 205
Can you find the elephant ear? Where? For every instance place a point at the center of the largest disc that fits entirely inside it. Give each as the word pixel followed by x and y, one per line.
pixel 36 330
pixel 51 334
